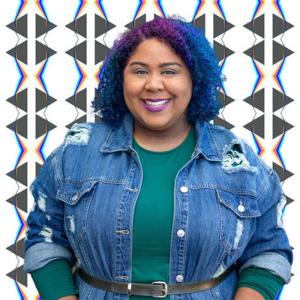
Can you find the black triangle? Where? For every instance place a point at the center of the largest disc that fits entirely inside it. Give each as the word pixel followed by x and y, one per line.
pixel 78 100
pixel 19 126
pixel 82 119
pixel 257 126
pixel 79 52
pixel 19 100
pixel 280 100
pixel 280 52
pixel 19 174
pixel 42 100
pixel 18 275
pixel 102 26
pixel 19 26
pixel 221 122
pixel 42 52
pixel 78 26
pixel 42 126
pixel 280 126
pixel 136 23
pixel 282 173
pixel 280 26
pixel 224 99
pixel 221 51
pixel 42 26
pixel 101 52
pixel 257 100
pixel 18 248
pixel 220 26
pixel 257 25
pixel 19 52
pixel 257 52
pixel 19 200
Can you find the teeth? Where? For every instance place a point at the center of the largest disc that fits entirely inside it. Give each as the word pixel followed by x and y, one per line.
pixel 158 103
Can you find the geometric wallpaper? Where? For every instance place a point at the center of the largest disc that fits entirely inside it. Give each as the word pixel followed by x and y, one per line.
pixel 51 54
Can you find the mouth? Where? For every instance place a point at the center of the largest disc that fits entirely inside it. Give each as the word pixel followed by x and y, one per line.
pixel 156 105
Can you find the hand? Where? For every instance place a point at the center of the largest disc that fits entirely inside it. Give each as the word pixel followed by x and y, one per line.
pixel 244 293
pixel 72 297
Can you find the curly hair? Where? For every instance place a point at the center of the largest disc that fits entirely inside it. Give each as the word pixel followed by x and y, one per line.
pixel 188 42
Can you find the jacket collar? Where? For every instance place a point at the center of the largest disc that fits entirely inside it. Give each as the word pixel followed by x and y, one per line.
pixel 120 139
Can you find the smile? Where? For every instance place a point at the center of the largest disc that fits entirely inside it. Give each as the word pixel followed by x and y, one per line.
pixel 156 105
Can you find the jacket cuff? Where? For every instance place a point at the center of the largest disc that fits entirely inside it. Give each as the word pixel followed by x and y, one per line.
pixel 40 254
pixel 273 262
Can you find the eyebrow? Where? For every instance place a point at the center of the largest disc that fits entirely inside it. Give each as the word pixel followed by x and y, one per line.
pixel 161 65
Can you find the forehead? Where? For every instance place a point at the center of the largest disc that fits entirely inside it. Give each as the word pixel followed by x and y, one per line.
pixel 154 51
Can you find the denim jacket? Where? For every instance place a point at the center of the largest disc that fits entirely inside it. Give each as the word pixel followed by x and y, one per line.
pixel 227 200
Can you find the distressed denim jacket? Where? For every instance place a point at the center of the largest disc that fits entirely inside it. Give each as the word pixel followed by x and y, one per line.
pixel 227 200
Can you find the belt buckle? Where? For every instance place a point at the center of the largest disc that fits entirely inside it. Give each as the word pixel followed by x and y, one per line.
pixel 165 289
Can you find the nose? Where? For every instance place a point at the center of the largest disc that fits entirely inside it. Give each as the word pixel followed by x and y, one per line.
pixel 154 83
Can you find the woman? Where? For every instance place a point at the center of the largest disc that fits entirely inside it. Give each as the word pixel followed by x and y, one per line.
pixel 154 201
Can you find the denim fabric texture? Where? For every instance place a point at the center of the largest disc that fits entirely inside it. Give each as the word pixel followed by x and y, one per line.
pixel 227 200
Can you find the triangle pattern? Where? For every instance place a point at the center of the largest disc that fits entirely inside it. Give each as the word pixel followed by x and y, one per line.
pixel 257 26
pixel 136 23
pixel 19 26
pixel 283 174
pixel 221 122
pixel 18 275
pixel 280 52
pixel 199 23
pixel 280 126
pixel 224 99
pixel 18 248
pixel 221 51
pixel 82 119
pixel 42 126
pixel 280 100
pixel 101 51
pixel 257 100
pixel 102 26
pixel 42 52
pixel 79 52
pixel 78 26
pixel 19 126
pixel 42 100
pixel 19 100
pixel 42 26
pixel 19 174
pixel 78 100
pixel 19 52
pixel 280 26
pixel 257 126
pixel 257 52
pixel 19 200
pixel 220 26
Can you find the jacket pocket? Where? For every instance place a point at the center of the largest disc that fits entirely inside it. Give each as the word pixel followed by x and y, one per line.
pixel 77 198
pixel 238 213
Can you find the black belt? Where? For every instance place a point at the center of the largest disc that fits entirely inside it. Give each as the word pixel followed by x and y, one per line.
pixel 158 289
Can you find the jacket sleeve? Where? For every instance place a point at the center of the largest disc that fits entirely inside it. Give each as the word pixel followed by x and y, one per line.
pixel 269 247
pixel 45 238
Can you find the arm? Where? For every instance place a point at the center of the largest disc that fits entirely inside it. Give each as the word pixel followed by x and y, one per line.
pixel 269 247
pixel 244 293
pixel 46 240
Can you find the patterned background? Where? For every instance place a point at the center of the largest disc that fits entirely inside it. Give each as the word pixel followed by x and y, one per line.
pixel 51 53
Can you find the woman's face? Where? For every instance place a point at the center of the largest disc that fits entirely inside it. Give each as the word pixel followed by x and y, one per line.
pixel 154 73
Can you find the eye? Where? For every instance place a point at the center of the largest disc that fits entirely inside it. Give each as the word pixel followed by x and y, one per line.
pixel 169 72
pixel 139 72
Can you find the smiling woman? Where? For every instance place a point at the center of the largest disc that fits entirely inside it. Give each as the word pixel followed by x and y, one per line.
pixel 154 200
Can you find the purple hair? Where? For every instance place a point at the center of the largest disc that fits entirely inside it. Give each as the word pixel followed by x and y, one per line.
pixel 188 42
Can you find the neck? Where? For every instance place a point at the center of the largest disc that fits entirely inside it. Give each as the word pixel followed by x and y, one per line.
pixel 160 140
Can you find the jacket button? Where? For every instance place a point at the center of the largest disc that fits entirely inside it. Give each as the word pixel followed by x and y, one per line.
pixel 183 189
pixel 241 208
pixel 74 197
pixel 179 278
pixel 180 233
